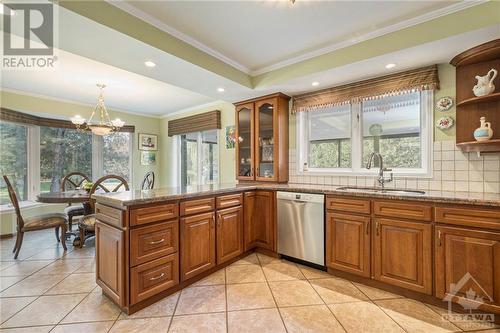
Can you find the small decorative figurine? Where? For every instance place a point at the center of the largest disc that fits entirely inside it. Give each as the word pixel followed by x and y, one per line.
pixel 484 132
pixel 485 84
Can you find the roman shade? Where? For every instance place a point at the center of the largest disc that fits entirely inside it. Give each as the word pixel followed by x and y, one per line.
pixel 28 119
pixel 197 123
pixel 425 78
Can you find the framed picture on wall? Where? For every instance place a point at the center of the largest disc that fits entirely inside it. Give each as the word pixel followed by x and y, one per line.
pixel 148 157
pixel 148 141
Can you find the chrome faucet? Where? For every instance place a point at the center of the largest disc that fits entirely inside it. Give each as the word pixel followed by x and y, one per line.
pixel 381 179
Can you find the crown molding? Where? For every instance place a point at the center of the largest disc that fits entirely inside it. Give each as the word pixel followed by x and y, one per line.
pixel 193 108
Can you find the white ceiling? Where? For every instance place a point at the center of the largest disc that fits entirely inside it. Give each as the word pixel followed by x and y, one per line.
pixel 257 35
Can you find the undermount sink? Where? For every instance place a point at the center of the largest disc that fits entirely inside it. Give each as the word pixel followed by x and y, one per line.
pixel 380 190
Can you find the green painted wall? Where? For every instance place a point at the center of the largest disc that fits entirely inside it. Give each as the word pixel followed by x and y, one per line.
pixel 447 88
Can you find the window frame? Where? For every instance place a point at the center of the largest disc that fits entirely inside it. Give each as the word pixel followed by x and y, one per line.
pixel 357 169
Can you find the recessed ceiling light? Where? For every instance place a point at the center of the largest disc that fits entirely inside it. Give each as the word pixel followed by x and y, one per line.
pixel 389 66
pixel 315 83
pixel 221 89
pixel 149 63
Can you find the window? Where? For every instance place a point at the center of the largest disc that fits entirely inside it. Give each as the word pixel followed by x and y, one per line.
pixel 13 160
pixel 116 154
pixel 199 158
pixel 340 139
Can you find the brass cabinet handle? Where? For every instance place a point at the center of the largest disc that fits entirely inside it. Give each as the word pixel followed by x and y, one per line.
pixel 439 237
pixel 212 224
pixel 367 229
pixel 157 277
pixel 377 227
pixel 157 242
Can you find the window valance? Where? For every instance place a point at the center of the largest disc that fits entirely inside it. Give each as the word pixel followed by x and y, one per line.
pixel 419 79
pixel 197 123
pixel 28 119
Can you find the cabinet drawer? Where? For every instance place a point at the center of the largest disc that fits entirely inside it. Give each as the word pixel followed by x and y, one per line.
pixel 231 200
pixel 197 206
pixel 471 217
pixel 153 277
pixel 140 216
pixel 148 243
pixel 110 215
pixel 348 205
pixel 403 210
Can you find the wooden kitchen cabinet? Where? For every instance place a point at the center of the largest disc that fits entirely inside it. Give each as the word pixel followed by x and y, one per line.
pixel 348 243
pixel 469 259
pixel 197 238
pixel 229 233
pixel 259 222
pixel 402 254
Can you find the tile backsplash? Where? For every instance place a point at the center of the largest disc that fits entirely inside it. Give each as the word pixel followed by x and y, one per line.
pixel 453 170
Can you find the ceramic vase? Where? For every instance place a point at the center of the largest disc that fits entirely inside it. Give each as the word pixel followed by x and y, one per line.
pixel 484 132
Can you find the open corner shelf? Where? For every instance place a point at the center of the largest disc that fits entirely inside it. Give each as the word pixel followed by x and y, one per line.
pixel 483 99
pixel 489 146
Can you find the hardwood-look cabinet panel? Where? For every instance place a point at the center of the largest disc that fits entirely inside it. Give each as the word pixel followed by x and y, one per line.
pixel 470 260
pixel 469 217
pixel 231 200
pixel 151 278
pixel 351 205
pixel 151 242
pixel 245 124
pixel 156 213
pixel 110 215
pixel 402 254
pixel 197 237
pixel 110 261
pixel 259 221
pixel 406 210
pixel 348 243
pixel 229 233
pixel 197 206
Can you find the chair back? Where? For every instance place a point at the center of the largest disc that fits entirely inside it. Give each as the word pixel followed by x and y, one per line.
pixel 15 202
pixel 149 181
pixel 99 184
pixel 73 180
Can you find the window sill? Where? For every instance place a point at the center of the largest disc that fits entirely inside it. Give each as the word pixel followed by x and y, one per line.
pixel 9 208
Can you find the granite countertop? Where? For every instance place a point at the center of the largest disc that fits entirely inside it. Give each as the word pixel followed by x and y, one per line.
pixel 137 197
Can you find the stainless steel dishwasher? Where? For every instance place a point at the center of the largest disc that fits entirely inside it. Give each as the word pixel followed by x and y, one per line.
pixel 301 226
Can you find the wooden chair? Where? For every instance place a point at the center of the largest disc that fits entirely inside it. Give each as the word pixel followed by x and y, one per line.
pixel 149 181
pixel 39 222
pixel 86 225
pixel 69 182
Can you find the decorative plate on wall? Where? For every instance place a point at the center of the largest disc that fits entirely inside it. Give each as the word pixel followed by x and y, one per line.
pixel 444 103
pixel 445 122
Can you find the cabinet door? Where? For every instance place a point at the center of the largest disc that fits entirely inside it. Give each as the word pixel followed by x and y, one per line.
pixel 110 261
pixel 197 244
pixel 259 222
pixel 348 243
pixel 402 254
pixel 245 142
pixel 469 260
pixel 266 140
pixel 229 233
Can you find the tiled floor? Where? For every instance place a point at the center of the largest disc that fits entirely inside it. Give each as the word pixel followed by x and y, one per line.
pixel 50 291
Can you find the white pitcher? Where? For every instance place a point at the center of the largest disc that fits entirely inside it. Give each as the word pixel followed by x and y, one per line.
pixel 485 84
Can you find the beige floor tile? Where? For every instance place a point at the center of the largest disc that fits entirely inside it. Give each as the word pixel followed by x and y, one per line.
pixel 64 266
pixel 464 322
pixel 488 331
pixel 244 274
pixel 24 268
pixel 36 329
pixel 98 327
pixel 335 290
pixel 10 306
pixel 33 285
pixel 414 316
pixel 51 253
pixel 312 273
pixel 46 310
pixel 209 323
pixel 87 267
pixel 266 260
pixel 95 307
pixel 313 319
pixel 202 300
pixel 252 321
pixel 149 325
pixel 7 281
pixel 248 260
pixel 364 317
pixel 74 284
pixel 163 308
pixel 294 293
pixel 249 296
pixel 86 252
pixel 375 293
pixel 216 278
pixel 283 271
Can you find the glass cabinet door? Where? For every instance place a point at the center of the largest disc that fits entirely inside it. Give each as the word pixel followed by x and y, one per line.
pixel 244 138
pixel 265 140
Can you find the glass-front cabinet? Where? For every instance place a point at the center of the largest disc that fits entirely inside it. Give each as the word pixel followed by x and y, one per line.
pixel 262 139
